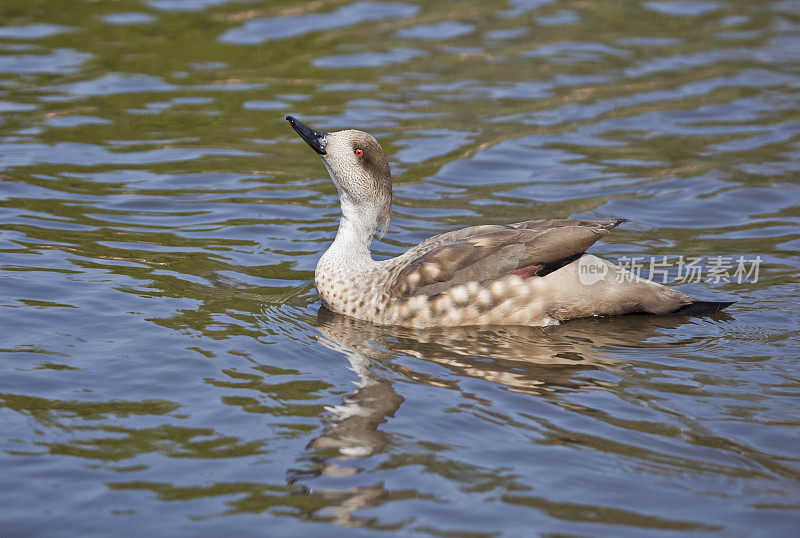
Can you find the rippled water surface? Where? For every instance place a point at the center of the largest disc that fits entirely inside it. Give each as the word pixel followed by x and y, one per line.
pixel 166 367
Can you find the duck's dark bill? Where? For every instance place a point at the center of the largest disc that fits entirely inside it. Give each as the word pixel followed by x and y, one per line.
pixel 315 139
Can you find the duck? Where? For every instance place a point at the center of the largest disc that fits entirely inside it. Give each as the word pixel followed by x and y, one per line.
pixel 534 273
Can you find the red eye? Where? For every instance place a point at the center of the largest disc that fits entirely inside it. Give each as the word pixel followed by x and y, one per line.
pixel 359 152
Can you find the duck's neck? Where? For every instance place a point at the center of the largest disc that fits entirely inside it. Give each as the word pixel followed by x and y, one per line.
pixel 349 256
pixel 352 242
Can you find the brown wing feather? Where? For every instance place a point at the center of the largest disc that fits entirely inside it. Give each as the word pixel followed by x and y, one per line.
pixel 481 253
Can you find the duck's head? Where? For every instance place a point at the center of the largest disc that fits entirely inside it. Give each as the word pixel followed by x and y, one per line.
pixel 358 168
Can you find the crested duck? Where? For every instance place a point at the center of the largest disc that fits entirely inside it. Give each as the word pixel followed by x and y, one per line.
pixel 527 273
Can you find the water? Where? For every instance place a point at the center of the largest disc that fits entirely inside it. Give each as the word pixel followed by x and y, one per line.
pixel 165 365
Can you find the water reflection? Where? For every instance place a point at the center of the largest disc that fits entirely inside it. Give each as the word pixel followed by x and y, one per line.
pixel 540 362
pixel 535 360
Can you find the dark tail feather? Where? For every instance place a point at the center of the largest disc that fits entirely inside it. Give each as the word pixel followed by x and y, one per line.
pixel 609 224
pixel 701 308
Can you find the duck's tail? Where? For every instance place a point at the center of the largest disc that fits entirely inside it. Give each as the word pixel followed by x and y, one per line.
pixel 702 308
pixel 591 286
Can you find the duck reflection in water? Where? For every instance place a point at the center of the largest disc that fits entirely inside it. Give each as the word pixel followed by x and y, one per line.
pixel 539 361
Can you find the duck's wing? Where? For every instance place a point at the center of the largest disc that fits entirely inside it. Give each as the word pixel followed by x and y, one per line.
pixel 485 252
